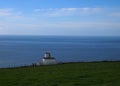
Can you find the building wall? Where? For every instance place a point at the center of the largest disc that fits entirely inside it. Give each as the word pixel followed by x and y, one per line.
pixel 49 61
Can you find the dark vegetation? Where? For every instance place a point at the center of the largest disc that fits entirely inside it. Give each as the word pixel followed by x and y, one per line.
pixel 69 74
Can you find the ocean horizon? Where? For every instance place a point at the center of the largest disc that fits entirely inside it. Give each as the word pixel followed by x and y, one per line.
pixel 25 50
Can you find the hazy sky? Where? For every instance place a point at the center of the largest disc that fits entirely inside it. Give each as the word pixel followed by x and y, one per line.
pixel 60 17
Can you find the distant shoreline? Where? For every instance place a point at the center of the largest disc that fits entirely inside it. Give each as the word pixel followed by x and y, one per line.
pixel 60 63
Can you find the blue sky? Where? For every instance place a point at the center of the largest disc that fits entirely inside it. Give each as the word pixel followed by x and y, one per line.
pixel 60 17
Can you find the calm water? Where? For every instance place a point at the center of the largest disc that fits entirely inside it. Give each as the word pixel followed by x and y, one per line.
pixel 22 50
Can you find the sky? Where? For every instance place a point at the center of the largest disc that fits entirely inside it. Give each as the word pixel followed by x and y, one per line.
pixel 60 17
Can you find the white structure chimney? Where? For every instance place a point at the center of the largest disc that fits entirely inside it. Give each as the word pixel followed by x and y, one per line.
pixel 47 55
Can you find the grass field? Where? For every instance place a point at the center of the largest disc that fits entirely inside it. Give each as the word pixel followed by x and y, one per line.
pixel 70 74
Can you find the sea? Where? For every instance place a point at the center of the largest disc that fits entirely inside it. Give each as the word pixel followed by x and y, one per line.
pixel 26 50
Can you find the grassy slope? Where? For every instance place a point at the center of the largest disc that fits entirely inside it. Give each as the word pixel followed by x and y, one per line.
pixel 71 74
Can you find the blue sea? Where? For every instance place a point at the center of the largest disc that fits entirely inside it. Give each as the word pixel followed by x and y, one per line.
pixel 25 50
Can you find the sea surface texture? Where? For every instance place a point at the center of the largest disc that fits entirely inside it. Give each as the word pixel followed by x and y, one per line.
pixel 25 50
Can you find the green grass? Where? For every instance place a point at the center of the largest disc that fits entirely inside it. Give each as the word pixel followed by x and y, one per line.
pixel 71 74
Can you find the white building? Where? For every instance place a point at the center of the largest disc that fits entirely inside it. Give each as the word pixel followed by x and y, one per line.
pixel 47 60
